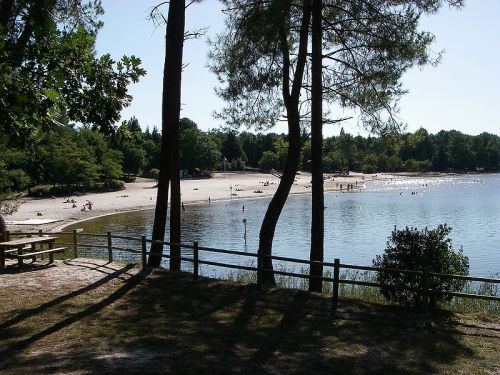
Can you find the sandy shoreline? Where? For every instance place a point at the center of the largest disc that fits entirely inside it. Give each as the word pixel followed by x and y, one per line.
pixel 142 195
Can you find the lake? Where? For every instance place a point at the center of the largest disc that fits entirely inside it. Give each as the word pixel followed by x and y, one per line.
pixel 357 224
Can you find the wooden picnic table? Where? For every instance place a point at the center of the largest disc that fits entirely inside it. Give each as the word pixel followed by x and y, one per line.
pixel 18 246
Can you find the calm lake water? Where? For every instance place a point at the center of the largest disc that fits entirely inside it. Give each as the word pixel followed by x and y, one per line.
pixel 357 224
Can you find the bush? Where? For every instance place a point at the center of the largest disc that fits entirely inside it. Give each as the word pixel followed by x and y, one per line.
pixel 420 250
pixel 368 169
pixel 19 180
pixel 115 184
pixel 154 173
pixel 268 161
pixel 237 164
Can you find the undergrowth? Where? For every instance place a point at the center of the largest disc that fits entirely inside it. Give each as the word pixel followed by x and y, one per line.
pixel 372 294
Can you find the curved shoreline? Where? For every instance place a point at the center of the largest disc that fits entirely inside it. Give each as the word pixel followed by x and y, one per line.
pixel 141 195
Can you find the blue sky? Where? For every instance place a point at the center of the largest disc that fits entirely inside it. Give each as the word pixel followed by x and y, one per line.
pixel 461 93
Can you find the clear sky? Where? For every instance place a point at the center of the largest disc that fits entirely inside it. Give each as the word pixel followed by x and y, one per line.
pixel 461 93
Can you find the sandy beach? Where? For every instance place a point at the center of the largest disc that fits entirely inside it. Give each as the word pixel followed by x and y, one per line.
pixel 142 195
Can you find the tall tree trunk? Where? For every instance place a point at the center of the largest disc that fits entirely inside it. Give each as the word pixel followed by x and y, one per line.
pixel 6 13
pixel 3 227
pixel 175 201
pixel 278 201
pixel 291 99
pixel 317 216
pixel 171 106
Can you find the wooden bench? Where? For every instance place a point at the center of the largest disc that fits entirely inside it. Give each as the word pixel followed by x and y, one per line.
pixel 22 244
pixel 10 251
pixel 51 252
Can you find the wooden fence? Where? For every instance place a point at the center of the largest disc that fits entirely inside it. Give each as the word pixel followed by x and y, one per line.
pixel 336 265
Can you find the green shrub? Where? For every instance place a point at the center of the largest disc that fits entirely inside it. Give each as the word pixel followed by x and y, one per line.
pixel 154 173
pixel 369 168
pixel 237 164
pixel 268 161
pixel 420 250
pixel 116 184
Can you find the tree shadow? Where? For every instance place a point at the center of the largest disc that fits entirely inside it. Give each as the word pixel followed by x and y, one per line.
pixel 236 329
pixel 11 351
pixel 13 268
pixel 164 322
pixel 41 308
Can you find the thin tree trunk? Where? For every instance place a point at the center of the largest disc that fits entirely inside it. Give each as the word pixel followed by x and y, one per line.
pixel 291 99
pixel 6 12
pixel 175 202
pixel 317 215
pixel 278 201
pixel 3 227
pixel 161 208
pixel 171 104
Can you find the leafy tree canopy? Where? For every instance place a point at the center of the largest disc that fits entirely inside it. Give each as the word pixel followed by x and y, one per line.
pixel 49 71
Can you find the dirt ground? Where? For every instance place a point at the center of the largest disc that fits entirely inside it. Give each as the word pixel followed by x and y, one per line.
pixel 87 316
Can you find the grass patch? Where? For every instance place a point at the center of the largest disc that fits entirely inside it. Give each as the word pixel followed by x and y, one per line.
pixel 371 294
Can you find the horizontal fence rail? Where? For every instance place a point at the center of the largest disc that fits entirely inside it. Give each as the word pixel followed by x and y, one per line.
pixel 71 239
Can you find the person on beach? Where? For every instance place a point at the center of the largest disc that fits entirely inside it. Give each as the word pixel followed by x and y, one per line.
pixel 183 209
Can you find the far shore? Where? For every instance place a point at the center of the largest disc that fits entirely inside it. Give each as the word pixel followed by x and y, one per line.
pixel 141 194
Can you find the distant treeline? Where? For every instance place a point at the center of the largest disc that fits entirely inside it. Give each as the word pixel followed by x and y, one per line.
pixel 69 158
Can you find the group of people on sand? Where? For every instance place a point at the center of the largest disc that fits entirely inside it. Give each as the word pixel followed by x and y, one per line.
pixel 86 206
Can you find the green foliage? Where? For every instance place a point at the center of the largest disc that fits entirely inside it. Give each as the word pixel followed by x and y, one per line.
pixel 134 159
pixel 237 164
pixel 115 184
pixel 412 165
pixel 420 250
pixel 199 151
pixel 18 179
pixel 111 165
pixel 154 173
pixel 269 160
pixel 61 155
pixel 49 71
pixel 369 168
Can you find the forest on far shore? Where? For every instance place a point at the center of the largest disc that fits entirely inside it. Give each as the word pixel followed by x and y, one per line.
pixel 69 158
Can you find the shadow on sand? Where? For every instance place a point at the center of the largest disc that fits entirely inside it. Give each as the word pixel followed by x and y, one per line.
pixel 161 322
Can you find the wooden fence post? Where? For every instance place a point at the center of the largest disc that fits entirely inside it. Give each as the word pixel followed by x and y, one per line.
pixel 40 233
pixel 75 243
pixel 110 248
pixel 335 284
pixel 7 235
pixel 196 263
pixel 426 282
pixel 259 269
pixel 143 251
